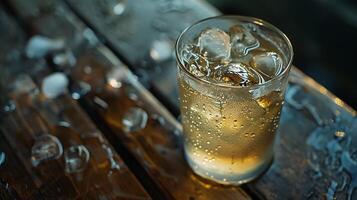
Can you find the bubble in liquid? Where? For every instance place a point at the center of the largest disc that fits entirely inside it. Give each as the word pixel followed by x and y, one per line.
pixel 46 147
pixel 76 158
pixel 134 119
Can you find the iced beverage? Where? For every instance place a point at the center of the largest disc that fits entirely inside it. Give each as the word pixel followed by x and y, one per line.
pixel 232 74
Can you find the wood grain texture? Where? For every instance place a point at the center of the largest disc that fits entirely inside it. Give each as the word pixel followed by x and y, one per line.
pixel 316 112
pixel 156 147
pixel 36 115
pixel 315 154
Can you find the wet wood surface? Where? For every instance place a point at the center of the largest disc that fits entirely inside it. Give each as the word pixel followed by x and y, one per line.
pixel 315 148
pixel 28 116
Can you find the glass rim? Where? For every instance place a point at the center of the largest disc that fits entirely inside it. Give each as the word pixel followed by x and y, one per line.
pixel 254 20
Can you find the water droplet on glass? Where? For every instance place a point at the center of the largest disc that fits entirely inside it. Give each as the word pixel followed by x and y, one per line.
pixel 54 85
pixel 134 119
pixel 161 50
pixel 46 147
pixel 2 158
pixel 214 44
pixel 80 89
pixel 76 158
pixel 40 46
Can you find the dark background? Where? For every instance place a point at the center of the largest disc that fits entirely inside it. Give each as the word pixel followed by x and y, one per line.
pixel 323 34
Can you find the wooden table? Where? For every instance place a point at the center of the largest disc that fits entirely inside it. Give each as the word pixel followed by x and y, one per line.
pixel 103 49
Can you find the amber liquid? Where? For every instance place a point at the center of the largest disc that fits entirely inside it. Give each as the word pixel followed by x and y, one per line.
pixel 228 138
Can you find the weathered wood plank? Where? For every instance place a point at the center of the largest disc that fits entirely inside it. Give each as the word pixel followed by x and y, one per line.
pixel 297 125
pixel 156 145
pixel 155 148
pixel 33 116
pixel 315 146
pixel 144 25
pixel 306 141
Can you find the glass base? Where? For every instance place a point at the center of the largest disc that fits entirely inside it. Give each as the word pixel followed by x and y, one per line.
pixel 231 178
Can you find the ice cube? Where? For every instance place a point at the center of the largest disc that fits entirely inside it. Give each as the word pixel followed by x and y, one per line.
pixel 134 119
pixel 54 85
pixel 39 46
pixel 76 158
pixel 268 63
pixel 214 44
pixel 190 52
pixel 46 147
pixel 199 66
pixel 237 74
pixel 242 41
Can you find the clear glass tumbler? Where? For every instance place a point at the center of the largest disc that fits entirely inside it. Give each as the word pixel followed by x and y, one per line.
pixel 229 130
